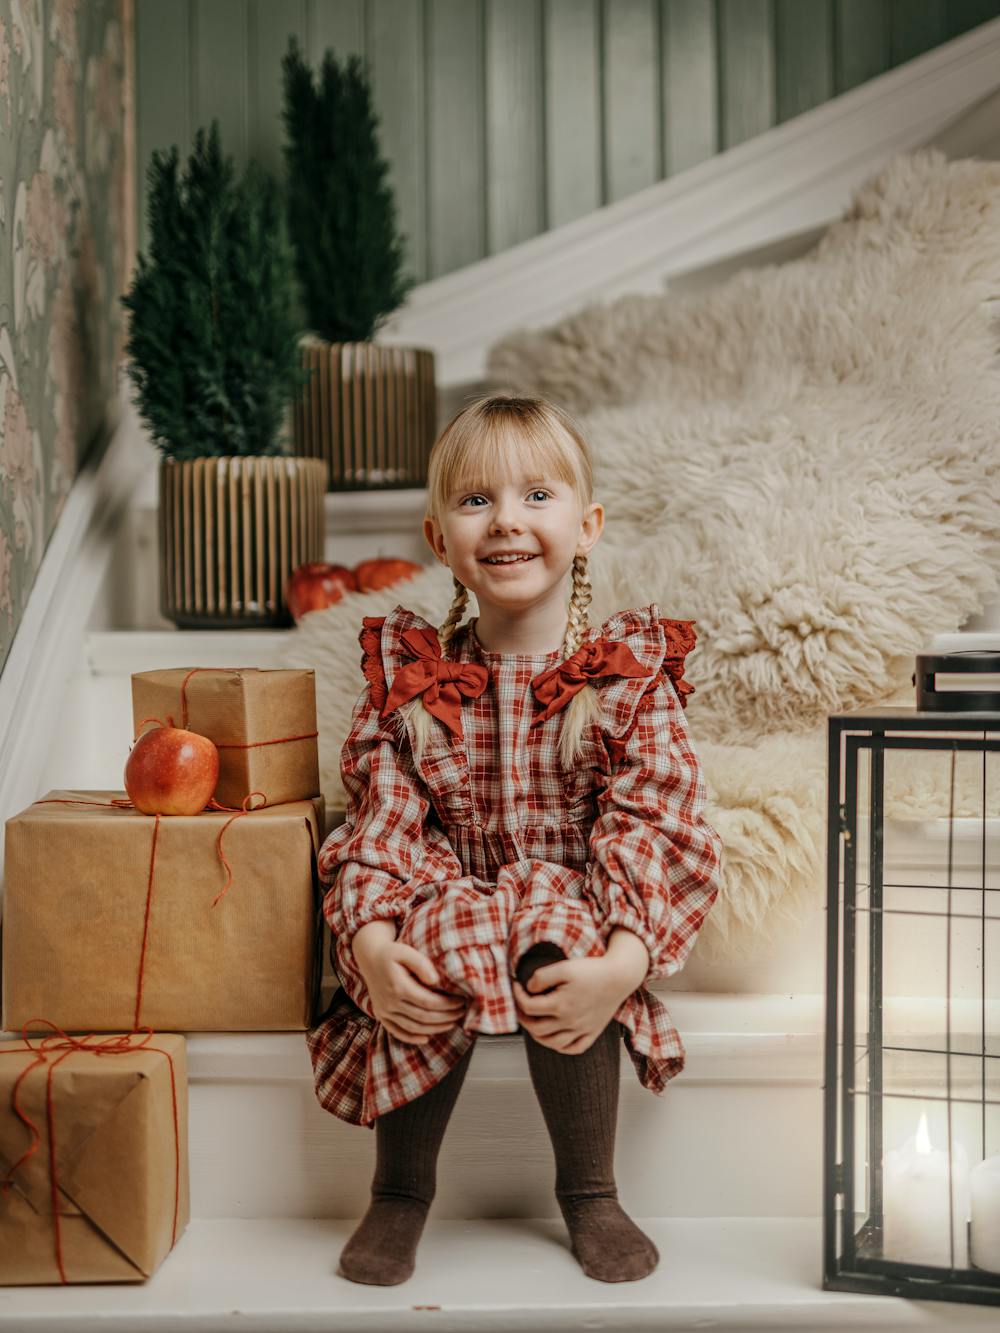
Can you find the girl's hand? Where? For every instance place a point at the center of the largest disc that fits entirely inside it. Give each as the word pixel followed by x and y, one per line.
pixel 401 982
pixel 585 995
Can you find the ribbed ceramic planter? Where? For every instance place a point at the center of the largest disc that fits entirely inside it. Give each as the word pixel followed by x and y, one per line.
pixel 231 531
pixel 369 410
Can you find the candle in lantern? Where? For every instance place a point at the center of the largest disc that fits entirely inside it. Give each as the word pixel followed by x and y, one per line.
pixel 985 1187
pixel 915 1194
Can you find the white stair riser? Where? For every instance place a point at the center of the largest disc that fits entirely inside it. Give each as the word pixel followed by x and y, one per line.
pixel 702 1149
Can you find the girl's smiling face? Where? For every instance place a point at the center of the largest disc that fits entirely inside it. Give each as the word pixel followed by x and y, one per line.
pixel 535 515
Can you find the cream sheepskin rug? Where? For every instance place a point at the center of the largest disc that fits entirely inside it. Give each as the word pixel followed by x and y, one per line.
pixel 805 461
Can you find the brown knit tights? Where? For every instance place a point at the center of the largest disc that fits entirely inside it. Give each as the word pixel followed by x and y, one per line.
pixel 578 1095
pixel 383 1248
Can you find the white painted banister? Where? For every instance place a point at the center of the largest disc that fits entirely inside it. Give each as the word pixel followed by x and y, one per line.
pixel 790 180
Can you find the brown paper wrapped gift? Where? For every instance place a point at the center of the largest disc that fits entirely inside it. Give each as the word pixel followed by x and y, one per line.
pixel 263 722
pixel 94 942
pixel 119 1125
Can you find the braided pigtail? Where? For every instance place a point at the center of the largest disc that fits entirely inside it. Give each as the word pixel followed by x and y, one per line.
pixel 414 708
pixel 584 707
pixel 453 619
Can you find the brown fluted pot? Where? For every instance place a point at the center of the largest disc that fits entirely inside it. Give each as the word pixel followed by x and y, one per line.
pixel 369 410
pixel 231 531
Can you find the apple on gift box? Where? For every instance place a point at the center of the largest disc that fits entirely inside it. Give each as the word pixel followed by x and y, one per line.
pixel 171 771
pixel 318 584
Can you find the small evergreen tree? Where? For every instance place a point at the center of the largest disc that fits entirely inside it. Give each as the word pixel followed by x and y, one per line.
pixel 213 337
pixel 341 212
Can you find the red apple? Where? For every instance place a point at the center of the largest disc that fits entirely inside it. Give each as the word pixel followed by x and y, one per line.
pixel 171 772
pixel 315 585
pixel 383 572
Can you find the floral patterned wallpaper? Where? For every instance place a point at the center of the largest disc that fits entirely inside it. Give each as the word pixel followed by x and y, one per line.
pixel 65 239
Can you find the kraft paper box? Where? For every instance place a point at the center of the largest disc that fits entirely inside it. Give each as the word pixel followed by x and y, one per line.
pixel 237 709
pixel 81 950
pixel 121 1170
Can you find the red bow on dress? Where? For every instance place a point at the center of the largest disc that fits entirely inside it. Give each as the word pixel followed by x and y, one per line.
pixel 600 657
pixel 442 683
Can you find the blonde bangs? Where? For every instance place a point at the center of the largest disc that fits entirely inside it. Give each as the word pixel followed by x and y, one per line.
pixel 501 438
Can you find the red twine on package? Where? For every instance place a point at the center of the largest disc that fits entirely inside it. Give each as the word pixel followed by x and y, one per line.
pixel 123 803
pixel 119 1044
pixel 112 1045
pixel 227 745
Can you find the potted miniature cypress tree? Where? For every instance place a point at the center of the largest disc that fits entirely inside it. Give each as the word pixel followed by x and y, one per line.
pixel 213 354
pixel 369 409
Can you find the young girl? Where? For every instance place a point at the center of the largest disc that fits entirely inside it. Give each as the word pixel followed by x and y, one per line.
pixel 524 845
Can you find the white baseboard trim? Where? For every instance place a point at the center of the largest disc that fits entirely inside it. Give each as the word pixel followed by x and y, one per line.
pixel 794 177
pixel 48 646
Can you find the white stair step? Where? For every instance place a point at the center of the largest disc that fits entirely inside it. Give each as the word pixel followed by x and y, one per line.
pixel 262 1146
pixel 120 652
pixel 271 1276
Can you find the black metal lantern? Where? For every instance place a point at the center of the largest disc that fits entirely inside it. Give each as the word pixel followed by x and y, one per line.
pixel 911 1165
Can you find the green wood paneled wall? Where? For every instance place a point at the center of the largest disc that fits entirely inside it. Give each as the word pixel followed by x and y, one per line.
pixel 503 118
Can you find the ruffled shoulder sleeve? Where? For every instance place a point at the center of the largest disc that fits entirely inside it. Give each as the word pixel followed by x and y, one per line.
pixel 402 658
pixel 660 645
pixel 383 649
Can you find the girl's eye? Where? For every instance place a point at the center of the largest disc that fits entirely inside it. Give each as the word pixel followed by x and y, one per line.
pixel 480 497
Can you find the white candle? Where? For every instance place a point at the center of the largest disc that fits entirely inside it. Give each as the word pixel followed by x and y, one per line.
pixel 985 1243
pixel 915 1195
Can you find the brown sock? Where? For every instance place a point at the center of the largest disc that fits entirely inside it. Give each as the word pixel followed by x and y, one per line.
pixel 383 1247
pixel 578 1095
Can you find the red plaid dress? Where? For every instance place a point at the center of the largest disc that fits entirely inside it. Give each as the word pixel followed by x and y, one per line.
pixel 491 845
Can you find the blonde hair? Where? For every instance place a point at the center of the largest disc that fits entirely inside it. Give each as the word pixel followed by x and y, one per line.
pixel 514 434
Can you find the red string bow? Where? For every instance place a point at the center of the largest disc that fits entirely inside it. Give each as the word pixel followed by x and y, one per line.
pixel 58 1040
pixel 600 657
pixel 441 682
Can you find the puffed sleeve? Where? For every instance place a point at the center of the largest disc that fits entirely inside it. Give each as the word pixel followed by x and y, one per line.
pixel 386 854
pixel 654 862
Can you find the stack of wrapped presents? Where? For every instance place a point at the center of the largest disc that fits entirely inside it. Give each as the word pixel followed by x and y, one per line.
pixel 121 932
